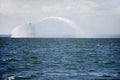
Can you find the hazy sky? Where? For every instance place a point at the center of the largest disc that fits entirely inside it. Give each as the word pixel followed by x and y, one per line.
pixel 94 17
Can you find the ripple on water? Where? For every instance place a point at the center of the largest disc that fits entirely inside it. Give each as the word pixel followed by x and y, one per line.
pixel 60 59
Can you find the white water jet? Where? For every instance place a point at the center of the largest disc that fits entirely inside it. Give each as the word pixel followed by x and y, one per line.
pixel 69 22
pixel 47 27
pixel 27 30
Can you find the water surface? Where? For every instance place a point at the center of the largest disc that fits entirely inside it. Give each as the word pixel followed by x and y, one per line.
pixel 59 58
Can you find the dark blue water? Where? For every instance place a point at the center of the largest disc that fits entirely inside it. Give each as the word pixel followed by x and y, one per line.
pixel 59 59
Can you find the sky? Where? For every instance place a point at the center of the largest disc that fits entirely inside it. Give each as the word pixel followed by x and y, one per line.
pixel 93 17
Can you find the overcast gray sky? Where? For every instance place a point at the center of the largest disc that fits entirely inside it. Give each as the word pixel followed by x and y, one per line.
pixel 94 17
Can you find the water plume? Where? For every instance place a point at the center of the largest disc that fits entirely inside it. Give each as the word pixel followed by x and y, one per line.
pixel 47 27
pixel 27 30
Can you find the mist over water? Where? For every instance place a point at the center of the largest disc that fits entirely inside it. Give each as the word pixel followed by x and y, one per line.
pixel 27 30
pixel 47 27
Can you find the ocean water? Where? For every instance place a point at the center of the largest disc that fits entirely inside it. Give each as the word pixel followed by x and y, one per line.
pixel 59 59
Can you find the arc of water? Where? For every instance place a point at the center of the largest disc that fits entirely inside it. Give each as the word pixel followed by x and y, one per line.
pixel 71 23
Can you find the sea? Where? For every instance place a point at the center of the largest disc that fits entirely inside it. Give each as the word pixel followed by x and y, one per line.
pixel 59 58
